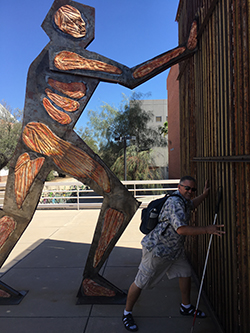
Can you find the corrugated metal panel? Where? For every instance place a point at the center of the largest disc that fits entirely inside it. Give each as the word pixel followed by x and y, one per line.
pixel 215 145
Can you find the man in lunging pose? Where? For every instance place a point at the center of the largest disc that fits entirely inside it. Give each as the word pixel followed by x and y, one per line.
pixel 163 249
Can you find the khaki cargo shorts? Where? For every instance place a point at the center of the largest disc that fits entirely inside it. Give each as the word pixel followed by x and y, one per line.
pixel 152 269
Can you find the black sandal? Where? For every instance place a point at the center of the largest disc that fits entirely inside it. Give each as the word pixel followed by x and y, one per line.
pixel 191 311
pixel 129 323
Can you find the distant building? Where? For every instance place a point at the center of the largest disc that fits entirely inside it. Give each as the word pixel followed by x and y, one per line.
pixel 2 111
pixel 3 175
pixel 159 108
pixel 5 114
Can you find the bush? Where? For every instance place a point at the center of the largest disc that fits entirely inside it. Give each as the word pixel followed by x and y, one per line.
pixel 50 176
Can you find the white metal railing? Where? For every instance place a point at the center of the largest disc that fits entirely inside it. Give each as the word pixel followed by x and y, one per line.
pixel 75 195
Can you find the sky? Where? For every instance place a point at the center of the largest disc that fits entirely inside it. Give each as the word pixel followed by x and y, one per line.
pixel 127 31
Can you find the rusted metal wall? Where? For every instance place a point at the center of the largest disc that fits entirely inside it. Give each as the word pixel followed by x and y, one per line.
pixel 215 145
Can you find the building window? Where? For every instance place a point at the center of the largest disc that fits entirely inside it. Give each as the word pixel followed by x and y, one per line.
pixel 158 119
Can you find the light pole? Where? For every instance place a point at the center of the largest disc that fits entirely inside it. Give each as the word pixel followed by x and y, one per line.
pixel 124 139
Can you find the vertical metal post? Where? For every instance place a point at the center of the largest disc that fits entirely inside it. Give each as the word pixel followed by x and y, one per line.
pixel 125 157
pixel 124 139
pixel 78 201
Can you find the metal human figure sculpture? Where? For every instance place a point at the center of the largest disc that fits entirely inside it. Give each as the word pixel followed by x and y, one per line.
pixel 60 82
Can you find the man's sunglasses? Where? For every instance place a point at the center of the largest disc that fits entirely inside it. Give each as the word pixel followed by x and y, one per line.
pixel 188 188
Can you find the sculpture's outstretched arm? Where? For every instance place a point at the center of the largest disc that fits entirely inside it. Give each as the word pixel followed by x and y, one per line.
pixel 90 64
pixel 153 67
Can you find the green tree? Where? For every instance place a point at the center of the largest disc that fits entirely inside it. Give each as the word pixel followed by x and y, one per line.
pixel 139 165
pixel 134 121
pixel 99 123
pixel 10 131
pixel 96 133
pixel 164 129
pixel 88 137
pixel 108 125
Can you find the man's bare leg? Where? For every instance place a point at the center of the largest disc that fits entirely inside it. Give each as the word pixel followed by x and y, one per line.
pixel 186 307
pixel 133 295
pixel 185 288
pixel 128 320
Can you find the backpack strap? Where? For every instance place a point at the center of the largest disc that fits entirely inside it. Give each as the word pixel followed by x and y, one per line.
pixel 173 195
pixel 177 195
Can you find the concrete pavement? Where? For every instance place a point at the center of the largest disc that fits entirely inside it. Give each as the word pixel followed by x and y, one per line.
pixel 48 262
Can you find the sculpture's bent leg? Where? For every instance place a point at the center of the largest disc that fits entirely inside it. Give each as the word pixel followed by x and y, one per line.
pixel 24 187
pixel 117 210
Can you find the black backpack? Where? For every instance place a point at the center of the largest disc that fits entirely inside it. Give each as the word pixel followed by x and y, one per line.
pixel 149 215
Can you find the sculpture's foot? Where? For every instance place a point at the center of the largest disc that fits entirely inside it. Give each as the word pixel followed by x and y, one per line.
pixel 98 290
pixel 9 296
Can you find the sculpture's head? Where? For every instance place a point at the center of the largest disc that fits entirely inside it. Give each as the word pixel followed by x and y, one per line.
pixel 70 23
pixel 69 20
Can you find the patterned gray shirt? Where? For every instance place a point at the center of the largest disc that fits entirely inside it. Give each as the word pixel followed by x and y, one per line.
pixel 164 240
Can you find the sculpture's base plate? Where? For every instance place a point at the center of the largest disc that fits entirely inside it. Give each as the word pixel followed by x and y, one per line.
pixel 13 299
pixel 119 298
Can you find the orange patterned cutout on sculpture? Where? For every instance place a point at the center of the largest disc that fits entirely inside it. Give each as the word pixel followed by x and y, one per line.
pixel 4 294
pixel 91 288
pixel 69 20
pixel 112 222
pixel 65 103
pixel 66 156
pixel 154 64
pixel 66 60
pixel 7 226
pixel 25 173
pixel 75 90
pixel 54 113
